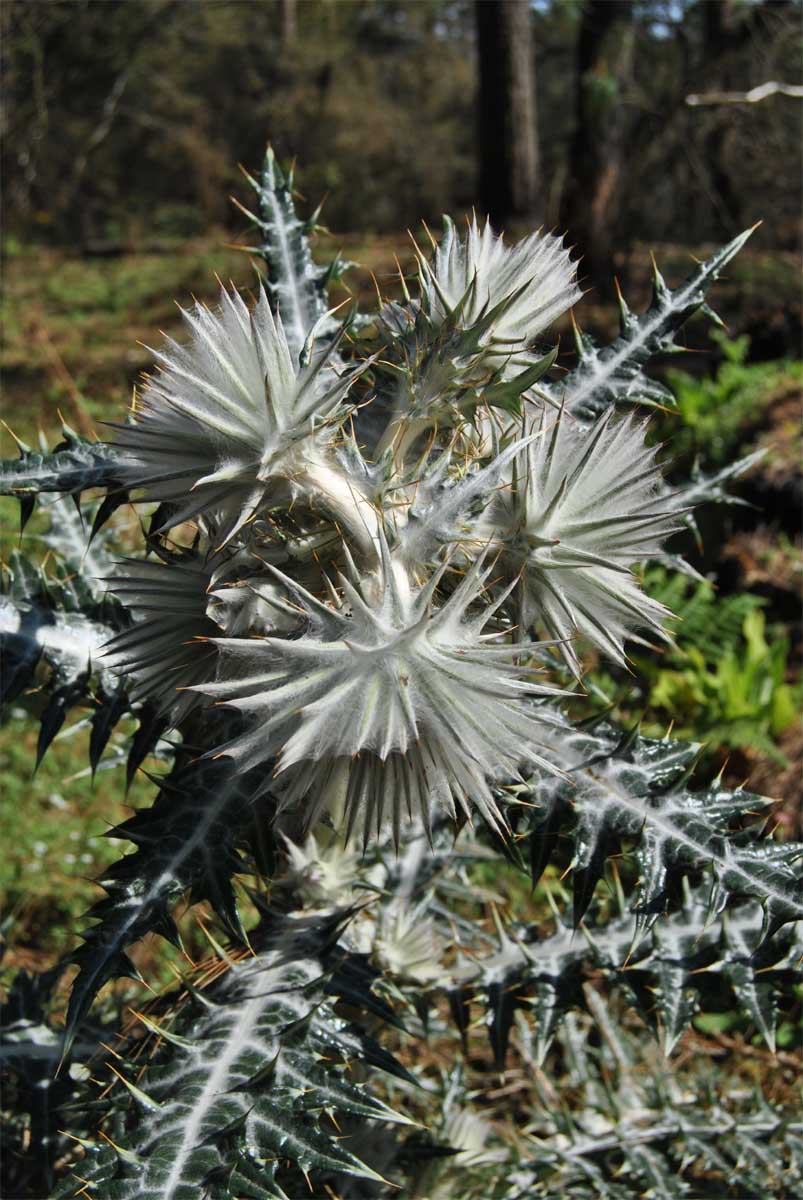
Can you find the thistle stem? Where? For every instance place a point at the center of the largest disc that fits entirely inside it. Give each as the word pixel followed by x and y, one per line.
pixel 401 434
pixel 332 490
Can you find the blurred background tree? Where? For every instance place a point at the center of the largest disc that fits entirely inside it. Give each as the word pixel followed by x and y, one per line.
pixel 509 174
pixel 128 118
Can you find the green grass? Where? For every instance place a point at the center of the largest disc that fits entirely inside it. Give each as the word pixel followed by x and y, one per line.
pixel 52 824
pixel 73 328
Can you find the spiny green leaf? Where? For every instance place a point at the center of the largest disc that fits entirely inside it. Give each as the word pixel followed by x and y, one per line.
pixel 72 466
pixel 662 972
pixel 614 374
pixel 216 1120
pixel 708 489
pixel 636 793
pixel 186 843
pixel 624 1134
pixel 297 286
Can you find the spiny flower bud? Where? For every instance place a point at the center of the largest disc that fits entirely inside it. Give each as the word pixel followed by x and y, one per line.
pixel 530 284
pixel 584 506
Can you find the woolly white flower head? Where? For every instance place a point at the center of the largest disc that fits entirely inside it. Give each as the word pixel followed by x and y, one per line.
pixel 584 507
pixel 229 415
pixel 533 283
pixel 322 870
pixel 386 701
pixel 408 944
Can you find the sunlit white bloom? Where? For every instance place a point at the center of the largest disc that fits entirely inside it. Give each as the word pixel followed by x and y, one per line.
pixel 229 418
pixel 584 506
pixel 531 283
pixel 388 701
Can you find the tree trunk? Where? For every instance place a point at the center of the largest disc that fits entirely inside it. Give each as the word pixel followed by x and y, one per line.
pixel 508 135
pixel 597 155
pixel 719 39
pixel 289 16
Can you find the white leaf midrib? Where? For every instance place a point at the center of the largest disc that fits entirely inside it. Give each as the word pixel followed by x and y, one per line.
pixel 671 831
pixel 216 1082
pixel 295 326
pixel 208 816
pixel 603 370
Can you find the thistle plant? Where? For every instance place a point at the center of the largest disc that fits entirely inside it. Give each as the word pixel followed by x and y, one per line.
pixel 381 552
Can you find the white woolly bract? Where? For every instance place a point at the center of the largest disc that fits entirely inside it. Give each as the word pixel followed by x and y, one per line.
pixel 167 646
pixel 322 870
pixel 228 415
pixel 176 608
pixel 388 702
pixel 408 944
pixel 536 277
pixel 583 507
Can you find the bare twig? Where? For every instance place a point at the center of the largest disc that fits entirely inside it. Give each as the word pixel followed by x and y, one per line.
pixel 754 96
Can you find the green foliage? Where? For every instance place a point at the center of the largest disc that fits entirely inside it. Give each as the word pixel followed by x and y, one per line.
pixel 706 620
pixel 723 681
pixel 714 413
pixel 737 698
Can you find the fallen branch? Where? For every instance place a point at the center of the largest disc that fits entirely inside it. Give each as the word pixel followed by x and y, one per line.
pixel 754 96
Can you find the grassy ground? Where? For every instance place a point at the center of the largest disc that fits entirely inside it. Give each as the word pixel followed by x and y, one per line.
pixel 76 329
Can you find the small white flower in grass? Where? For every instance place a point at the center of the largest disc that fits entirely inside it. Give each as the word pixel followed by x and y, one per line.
pixel 584 506
pixel 388 702
pixel 231 417
pixel 534 282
